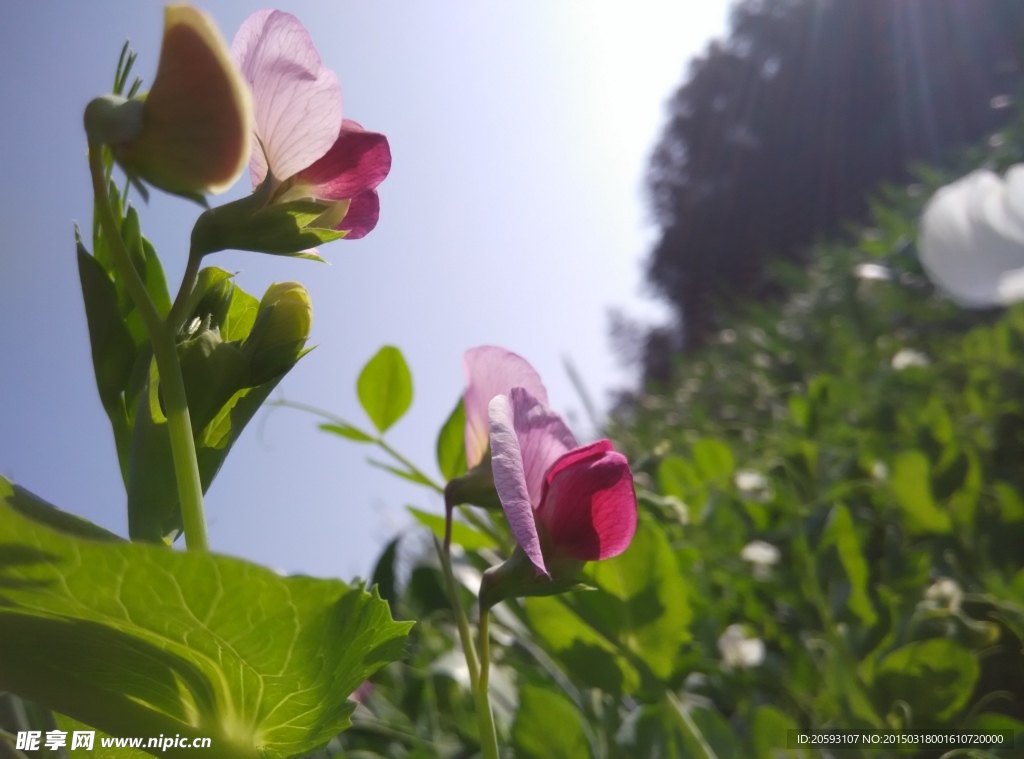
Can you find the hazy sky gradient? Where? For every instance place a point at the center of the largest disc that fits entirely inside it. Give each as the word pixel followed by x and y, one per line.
pixel 513 215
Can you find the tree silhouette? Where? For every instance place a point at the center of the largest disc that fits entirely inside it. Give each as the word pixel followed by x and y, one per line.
pixel 780 134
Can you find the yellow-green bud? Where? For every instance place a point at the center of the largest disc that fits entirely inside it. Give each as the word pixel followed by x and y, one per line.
pixel 279 335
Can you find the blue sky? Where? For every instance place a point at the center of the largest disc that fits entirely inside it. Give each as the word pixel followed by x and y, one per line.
pixel 513 215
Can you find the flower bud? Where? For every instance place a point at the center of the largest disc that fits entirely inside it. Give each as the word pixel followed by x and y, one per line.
pixel 278 337
pixel 190 134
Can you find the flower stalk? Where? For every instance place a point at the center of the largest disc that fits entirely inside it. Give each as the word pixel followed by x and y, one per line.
pixel 179 424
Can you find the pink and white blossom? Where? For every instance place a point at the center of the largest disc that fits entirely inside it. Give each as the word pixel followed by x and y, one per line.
pixel 302 145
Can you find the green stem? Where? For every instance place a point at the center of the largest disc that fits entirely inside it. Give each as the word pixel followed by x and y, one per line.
pixel 689 727
pixel 179 425
pixel 176 317
pixel 379 441
pixel 485 717
pixel 468 649
pixel 405 462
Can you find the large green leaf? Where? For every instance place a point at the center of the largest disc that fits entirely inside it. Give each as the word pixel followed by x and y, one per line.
pixel 587 656
pixel 641 601
pixel 135 639
pixel 385 387
pixel 639 612
pixel 548 726
pixel 714 460
pixel 933 677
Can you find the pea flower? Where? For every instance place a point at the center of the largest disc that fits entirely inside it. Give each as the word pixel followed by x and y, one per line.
pixel 303 148
pixel 739 649
pixel 490 371
pixel 908 357
pixel 566 503
pixel 972 238
pixel 753 485
pixel 945 593
pixel 188 135
pixel 872 272
pixel 762 556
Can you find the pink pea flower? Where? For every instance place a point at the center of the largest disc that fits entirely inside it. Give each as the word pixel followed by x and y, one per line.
pixel 492 371
pixel 303 146
pixel 563 501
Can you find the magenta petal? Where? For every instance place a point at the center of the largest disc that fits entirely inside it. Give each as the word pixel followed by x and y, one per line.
pixel 362 215
pixel 543 439
pixel 358 161
pixel 492 371
pixel 589 505
pixel 510 479
pixel 297 102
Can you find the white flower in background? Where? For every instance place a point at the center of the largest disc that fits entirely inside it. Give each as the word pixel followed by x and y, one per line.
pixel 972 238
pixel 739 650
pixel 879 471
pixel 872 271
pixel 748 480
pixel 944 593
pixel 763 556
pixel 908 357
pixel 753 485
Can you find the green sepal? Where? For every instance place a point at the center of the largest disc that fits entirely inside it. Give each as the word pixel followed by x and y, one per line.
pixel 254 223
pixel 517 577
pixel 133 639
pixel 474 488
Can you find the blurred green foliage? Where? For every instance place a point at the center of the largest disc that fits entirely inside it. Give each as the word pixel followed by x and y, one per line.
pixel 831 537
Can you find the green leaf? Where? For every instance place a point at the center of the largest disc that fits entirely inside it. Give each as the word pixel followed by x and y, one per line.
pixel 451 444
pixel 714 460
pixel 462 534
pixel 135 639
pixel 384 574
pixel 98 751
pixel 842 533
pixel 385 387
pixel 934 677
pixel 642 601
pixel 405 474
pixel 548 726
pixel 771 734
pixel 113 350
pixel 32 506
pixel 911 485
pixel 678 477
pixel 221 400
pixel 588 657
pixel 348 431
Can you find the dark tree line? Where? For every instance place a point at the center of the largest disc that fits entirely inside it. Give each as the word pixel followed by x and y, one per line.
pixel 780 134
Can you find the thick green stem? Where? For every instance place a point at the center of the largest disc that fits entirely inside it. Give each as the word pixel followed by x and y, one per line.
pixel 485 717
pixel 179 425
